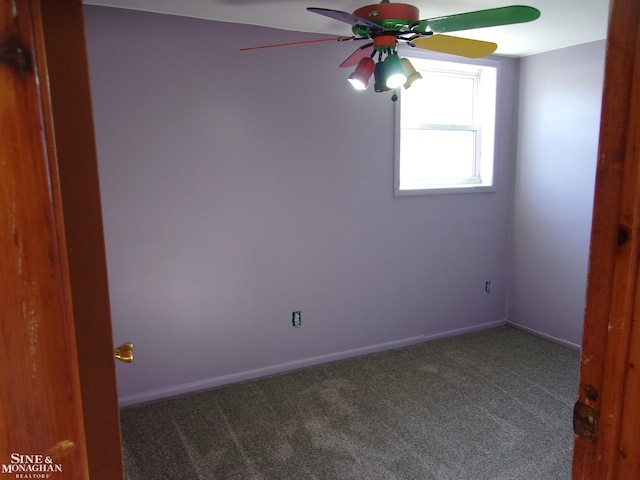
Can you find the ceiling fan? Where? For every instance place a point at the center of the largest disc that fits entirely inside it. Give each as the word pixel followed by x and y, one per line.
pixel 386 24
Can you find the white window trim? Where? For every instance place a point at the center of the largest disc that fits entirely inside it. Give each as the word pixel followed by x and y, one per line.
pixel 489 167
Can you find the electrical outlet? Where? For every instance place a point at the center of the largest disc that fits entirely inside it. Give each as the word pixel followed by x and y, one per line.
pixel 296 319
pixel 487 287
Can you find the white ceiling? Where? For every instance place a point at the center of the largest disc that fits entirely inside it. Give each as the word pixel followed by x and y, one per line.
pixel 563 22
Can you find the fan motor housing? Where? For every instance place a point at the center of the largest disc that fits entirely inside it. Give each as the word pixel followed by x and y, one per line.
pixel 384 42
pixel 393 17
pixel 388 11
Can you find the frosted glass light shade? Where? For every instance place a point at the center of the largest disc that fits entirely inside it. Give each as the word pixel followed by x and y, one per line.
pixel 394 72
pixel 380 77
pixel 361 75
pixel 411 73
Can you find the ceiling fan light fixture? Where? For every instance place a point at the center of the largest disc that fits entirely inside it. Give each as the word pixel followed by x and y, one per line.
pixel 411 73
pixel 386 24
pixel 361 75
pixel 395 76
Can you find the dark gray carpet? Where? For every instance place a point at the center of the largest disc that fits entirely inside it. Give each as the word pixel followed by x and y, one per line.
pixel 494 405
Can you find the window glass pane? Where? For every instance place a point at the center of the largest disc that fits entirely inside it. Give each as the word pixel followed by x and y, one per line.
pixel 439 99
pixel 428 155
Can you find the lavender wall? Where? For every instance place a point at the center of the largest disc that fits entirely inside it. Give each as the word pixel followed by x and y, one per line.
pixel 239 187
pixel 560 99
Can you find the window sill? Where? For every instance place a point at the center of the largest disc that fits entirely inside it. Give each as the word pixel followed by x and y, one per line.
pixel 445 190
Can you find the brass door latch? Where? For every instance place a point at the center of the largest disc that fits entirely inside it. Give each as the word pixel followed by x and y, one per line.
pixel 124 352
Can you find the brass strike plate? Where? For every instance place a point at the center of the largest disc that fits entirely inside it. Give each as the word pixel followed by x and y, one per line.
pixel 585 421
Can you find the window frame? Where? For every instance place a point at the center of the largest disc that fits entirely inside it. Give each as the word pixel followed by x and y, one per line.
pixel 485 159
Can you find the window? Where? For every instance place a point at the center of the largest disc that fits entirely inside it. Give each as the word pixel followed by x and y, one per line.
pixel 445 127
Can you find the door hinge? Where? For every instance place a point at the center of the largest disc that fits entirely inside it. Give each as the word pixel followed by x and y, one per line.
pixel 585 421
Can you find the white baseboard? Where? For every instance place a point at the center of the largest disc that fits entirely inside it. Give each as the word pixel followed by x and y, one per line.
pixel 551 338
pixel 190 387
pixel 263 372
pixel 465 330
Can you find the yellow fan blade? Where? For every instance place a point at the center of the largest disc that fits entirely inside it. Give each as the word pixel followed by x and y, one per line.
pixel 463 47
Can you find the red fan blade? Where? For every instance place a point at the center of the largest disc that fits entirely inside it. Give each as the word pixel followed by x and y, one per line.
pixel 359 54
pixel 339 39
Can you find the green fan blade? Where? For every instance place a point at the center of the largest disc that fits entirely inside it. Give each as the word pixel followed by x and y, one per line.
pixel 464 47
pixel 482 18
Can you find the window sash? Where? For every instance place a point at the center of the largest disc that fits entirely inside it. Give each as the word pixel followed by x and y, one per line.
pixel 416 181
pixel 436 76
pixel 481 177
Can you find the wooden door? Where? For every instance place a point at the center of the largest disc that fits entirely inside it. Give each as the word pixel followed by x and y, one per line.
pixel 609 395
pixel 58 402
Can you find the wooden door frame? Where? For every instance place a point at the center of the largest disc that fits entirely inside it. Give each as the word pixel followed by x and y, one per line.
pixel 48 107
pixel 609 378
pixel 40 399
